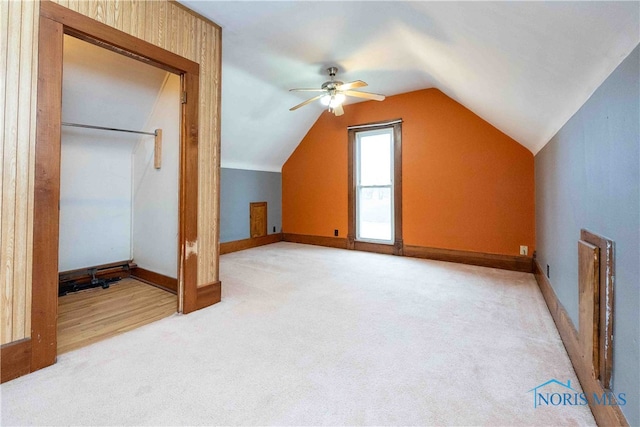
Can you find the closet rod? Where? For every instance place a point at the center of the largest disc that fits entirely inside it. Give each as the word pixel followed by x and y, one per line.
pixel 76 125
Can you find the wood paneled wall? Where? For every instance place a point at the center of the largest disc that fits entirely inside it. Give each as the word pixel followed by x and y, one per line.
pixel 18 62
pixel 163 23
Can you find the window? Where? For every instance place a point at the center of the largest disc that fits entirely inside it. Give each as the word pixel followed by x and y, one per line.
pixel 375 187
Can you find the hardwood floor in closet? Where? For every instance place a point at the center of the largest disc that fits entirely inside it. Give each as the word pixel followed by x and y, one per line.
pixel 92 315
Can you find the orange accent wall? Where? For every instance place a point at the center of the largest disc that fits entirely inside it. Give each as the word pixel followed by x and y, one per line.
pixel 466 185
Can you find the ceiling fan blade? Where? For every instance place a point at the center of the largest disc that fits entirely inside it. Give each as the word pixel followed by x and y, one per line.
pixel 308 101
pixel 338 111
pixel 366 95
pixel 306 90
pixel 351 85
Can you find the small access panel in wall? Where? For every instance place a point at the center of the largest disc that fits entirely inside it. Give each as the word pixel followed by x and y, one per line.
pixel 595 279
pixel 258 219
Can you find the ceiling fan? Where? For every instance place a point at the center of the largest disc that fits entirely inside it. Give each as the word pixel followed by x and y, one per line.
pixel 334 93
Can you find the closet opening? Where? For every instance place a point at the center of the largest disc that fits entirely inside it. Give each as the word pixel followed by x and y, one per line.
pixel 119 194
pixel 54 23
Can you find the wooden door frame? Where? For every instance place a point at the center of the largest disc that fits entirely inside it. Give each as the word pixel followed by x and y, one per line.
pixel 55 21
pixel 397 248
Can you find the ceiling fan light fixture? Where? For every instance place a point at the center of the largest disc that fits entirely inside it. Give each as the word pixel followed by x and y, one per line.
pixel 338 99
pixel 332 101
pixel 326 100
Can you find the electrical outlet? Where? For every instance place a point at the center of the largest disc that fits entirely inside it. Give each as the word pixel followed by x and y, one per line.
pixel 524 250
pixel 274 228
pixel 335 232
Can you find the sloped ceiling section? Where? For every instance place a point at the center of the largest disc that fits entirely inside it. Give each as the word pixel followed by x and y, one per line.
pixel 103 88
pixel 525 67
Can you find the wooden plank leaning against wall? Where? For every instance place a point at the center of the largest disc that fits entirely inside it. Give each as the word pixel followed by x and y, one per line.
pixel 163 23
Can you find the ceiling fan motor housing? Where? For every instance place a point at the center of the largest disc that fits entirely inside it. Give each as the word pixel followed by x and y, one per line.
pixel 331 84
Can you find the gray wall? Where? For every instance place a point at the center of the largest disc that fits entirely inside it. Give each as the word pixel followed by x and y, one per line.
pixel 588 177
pixel 240 187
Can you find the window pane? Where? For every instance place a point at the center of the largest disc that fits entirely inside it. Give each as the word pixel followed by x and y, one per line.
pixel 374 213
pixel 375 159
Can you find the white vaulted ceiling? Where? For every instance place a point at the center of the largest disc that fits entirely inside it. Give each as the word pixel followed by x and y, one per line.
pixel 525 67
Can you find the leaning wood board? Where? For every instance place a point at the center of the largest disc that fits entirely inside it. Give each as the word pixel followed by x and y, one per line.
pixel 588 281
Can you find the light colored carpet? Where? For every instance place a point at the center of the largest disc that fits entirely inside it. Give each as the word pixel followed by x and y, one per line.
pixel 311 335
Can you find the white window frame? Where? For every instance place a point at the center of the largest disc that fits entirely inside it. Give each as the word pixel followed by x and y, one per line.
pixel 358 137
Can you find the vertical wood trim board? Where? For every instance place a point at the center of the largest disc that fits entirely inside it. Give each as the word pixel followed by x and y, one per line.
pixel 188 189
pixel 351 189
pixel 162 23
pixel 157 150
pixel 397 191
pixel 47 196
